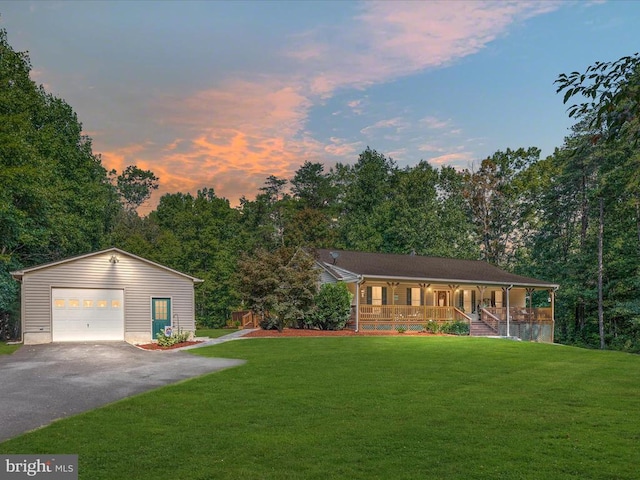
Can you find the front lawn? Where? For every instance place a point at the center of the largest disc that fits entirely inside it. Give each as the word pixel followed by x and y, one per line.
pixel 370 407
pixel 8 349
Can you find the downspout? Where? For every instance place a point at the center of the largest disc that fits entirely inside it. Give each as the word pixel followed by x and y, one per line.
pixel 508 289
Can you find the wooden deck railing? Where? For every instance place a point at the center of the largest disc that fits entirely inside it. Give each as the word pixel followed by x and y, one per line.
pixel 521 314
pixel 535 324
pixel 406 312
pixel 408 317
pixel 490 319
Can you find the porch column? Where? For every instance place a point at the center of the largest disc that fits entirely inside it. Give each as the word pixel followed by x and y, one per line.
pixel 393 286
pixel 481 288
pixel 507 290
pixel 530 291
pixel 357 305
pixel 452 299
pixel 424 287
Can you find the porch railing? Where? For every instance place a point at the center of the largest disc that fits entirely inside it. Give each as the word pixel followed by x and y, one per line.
pixel 522 314
pixel 407 317
pixel 534 324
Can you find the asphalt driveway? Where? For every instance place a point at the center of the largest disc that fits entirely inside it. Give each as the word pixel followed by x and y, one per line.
pixel 41 383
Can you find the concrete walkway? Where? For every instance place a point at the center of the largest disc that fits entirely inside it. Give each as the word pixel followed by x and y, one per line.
pixel 225 338
pixel 42 383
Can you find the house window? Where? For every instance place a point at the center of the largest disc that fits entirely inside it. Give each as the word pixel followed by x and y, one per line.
pixel 87 304
pixel 74 303
pixel 102 304
pixel 115 303
pixel 414 297
pixel 58 303
pixel 376 295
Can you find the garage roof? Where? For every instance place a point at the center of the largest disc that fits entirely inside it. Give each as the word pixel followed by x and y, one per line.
pixel 18 274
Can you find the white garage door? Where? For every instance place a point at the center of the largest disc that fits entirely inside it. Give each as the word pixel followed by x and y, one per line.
pixel 84 314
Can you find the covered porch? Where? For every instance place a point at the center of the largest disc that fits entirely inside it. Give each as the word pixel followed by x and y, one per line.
pixel 486 309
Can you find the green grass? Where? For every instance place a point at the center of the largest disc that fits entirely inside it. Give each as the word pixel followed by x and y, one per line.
pixel 214 332
pixel 8 349
pixel 371 408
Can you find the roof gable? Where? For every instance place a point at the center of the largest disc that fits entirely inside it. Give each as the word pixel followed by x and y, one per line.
pixel 20 273
pixel 341 263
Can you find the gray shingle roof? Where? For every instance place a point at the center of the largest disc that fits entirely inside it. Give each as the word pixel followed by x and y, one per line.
pixel 419 268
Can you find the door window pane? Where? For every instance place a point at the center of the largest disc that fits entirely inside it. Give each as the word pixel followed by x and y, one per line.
pixel 161 307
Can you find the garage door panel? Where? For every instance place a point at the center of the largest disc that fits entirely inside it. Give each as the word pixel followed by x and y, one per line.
pixel 87 314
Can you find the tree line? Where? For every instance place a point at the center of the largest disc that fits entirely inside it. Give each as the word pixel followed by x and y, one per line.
pixel 533 216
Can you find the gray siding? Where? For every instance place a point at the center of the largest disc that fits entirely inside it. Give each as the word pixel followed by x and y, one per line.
pixel 140 281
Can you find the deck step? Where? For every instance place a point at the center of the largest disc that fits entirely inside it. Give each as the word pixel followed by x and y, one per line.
pixel 481 329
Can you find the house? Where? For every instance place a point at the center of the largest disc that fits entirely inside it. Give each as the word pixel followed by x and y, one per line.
pixel 393 291
pixel 103 296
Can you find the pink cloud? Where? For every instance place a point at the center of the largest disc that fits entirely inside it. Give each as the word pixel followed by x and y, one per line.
pixel 394 39
pixel 454 159
pixel 395 124
pixel 230 138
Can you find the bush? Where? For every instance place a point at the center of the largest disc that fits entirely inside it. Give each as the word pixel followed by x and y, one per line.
pixel 455 328
pixel 332 307
pixel 167 341
pixel 432 327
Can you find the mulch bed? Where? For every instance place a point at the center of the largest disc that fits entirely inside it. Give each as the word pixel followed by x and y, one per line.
pixel 295 332
pixel 155 346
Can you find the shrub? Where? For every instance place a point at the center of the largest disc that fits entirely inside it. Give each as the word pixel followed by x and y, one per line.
pixel 332 307
pixel 167 341
pixel 455 328
pixel 432 327
pixel 401 329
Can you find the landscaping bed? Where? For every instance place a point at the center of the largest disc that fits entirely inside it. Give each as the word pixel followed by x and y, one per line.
pixel 299 332
pixel 155 346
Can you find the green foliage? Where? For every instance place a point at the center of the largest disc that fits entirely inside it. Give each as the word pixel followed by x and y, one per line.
pixel 455 328
pixel 495 196
pixel 135 186
pixel 612 97
pixel 173 339
pixel 281 285
pixel 332 307
pixel 432 326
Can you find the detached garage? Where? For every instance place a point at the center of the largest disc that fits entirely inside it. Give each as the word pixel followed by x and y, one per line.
pixel 109 295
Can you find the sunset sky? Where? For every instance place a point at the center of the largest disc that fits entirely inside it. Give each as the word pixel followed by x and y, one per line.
pixel 223 94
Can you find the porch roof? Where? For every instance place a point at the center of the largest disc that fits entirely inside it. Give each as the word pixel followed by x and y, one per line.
pixel 348 265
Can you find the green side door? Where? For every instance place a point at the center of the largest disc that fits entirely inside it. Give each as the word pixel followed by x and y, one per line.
pixel 160 315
